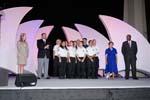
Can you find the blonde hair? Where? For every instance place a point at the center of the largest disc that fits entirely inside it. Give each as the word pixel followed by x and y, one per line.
pixel 21 37
pixel 58 41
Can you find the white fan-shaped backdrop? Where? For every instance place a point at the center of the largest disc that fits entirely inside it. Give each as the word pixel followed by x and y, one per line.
pixel 71 34
pixel 47 30
pixel 117 31
pixel 30 28
pixel 102 42
pixel 9 25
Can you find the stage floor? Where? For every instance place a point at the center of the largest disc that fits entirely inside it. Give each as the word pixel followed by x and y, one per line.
pixel 55 83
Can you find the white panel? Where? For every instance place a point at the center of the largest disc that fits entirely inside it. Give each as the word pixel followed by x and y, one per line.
pixel 30 28
pixel 9 24
pixel 102 42
pixel 71 34
pixel 117 31
pixel 47 30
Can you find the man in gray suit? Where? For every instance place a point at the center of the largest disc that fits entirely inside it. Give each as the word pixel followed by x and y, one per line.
pixel 129 51
pixel 43 55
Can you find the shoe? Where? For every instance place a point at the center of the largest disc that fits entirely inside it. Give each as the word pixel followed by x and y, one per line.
pixel 110 74
pixel 95 77
pixel 135 78
pixel 107 76
pixel 88 77
pixel 61 77
pixel 48 78
pixel 126 78
pixel 38 78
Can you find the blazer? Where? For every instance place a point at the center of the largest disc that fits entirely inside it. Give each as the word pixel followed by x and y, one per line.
pixel 41 51
pixel 128 51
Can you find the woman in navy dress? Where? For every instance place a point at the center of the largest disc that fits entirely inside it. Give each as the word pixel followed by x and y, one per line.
pixel 111 61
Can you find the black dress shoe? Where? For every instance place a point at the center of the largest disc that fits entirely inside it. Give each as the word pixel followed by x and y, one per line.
pixel 126 78
pixel 95 78
pixel 89 78
pixel 38 77
pixel 135 78
pixel 48 78
pixel 61 77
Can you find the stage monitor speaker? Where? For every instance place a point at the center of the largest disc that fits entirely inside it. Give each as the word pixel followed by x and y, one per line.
pixel 24 80
pixel 3 77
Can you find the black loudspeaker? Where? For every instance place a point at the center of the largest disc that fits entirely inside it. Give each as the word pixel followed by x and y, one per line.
pixel 24 80
pixel 3 77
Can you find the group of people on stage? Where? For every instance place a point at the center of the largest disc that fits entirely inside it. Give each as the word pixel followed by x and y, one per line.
pixel 77 59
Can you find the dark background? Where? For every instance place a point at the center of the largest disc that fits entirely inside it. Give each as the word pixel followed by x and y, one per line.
pixel 147 6
pixel 67 12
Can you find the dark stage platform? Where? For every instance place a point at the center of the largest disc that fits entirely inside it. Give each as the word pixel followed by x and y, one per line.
pixel 79 89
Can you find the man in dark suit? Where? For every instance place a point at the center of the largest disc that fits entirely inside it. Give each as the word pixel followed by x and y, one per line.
pixel 129 51
pixel 43 55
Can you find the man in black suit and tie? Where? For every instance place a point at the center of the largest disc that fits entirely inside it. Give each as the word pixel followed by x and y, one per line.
pixel 129 51
pixel 43 55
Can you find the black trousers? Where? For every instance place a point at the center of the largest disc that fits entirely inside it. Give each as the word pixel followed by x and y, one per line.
pixel 86 69
pixel 71 68
pixel 55 66
pixel 130 61
pixel 96 59
pixel 62 67
pixel 81 69
pixel 91 68
pixel 75 73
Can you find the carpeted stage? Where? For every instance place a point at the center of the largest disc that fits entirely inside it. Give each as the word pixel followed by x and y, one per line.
pixel 79 89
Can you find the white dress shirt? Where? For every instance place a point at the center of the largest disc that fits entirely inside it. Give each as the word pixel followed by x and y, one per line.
pixel 72 51
pixel 63 52
pixel 81 52
pixel 56 49
pixel 130 43
pixel 96 50
pixel 44 40
pixel 90 51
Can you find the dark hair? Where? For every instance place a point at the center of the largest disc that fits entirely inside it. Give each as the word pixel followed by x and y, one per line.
pixel 71 41
pixel 21 37
pixel 64 46
pixel 110 42
pixel 43 34
pixel 74 41
pixel 84 38
pixel 89 41
pixel 128 35
pixel 76 44
pixel 81 42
